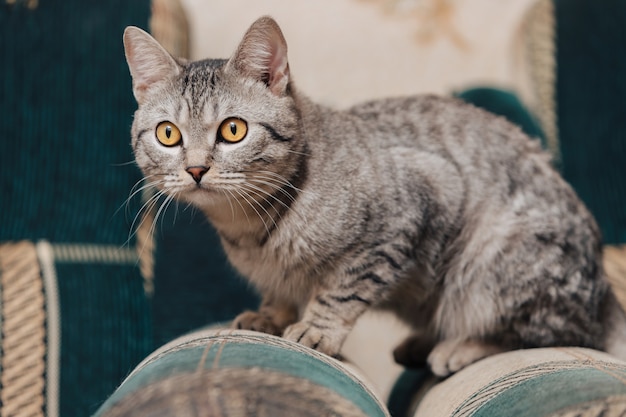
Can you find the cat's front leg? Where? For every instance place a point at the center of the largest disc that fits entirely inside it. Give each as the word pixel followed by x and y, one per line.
pixel 323 326
pixel 272 317
pixel 332 311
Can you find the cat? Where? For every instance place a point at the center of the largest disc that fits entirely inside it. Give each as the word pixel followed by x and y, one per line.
pixel 426 206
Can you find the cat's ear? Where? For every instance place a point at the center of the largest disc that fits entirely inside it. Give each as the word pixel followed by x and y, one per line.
pixel 262 55
pixel 149 63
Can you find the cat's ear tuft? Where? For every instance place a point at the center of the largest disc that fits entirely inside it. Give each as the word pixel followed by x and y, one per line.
pixel 149 63
pixel 262 55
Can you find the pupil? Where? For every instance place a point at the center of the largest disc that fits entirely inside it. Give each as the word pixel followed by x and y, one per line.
pixel 168 131
pixel 233 128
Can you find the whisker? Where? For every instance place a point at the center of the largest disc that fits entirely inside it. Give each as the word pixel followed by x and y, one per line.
pixel 247 190
pixel 146 207
pixel 275 186
pixel 298 153
pixel 280 179
pixel 122 164
pixel 269 195
pixel 245 196
pixel 240 205
pixel 132 193
pixel 232 209
pixel 282 203
pixel 162 209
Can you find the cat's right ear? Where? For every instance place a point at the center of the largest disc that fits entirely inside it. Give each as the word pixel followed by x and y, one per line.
pixel 149 63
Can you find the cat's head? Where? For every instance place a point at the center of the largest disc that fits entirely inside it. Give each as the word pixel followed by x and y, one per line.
pixel 216 130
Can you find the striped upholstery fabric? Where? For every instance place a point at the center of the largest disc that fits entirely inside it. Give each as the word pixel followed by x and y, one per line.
pixel 241 373
pixel 532 383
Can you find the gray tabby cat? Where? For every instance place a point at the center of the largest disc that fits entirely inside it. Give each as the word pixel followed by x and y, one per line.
pixel 445 214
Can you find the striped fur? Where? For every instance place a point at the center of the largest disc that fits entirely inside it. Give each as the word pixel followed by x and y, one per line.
pixel 424 205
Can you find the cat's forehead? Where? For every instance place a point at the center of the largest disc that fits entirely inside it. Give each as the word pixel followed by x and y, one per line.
pixel 198 68
pixel 198 76
pixel 210 92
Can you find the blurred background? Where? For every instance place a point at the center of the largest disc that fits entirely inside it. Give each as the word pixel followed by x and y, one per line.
pixel 345 51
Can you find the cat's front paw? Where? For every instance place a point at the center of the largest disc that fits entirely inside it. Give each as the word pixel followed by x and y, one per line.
pixel 257 321
pixel 309 335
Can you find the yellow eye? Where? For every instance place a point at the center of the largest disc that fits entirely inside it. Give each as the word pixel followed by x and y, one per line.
pixel 233 130
pixel 168 134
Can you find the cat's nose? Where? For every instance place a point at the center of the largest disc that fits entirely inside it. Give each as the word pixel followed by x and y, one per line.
pixel 197 172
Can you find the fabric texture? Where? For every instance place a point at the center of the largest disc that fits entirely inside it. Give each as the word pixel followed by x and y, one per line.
pixel 273 377
pixel 23 341
pixel 534 383
pixel 590 100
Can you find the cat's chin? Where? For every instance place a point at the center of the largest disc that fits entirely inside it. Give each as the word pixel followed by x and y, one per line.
pixel 201 196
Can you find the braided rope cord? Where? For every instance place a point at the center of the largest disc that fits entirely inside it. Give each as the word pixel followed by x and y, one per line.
pixel 23 342
pixel 541 49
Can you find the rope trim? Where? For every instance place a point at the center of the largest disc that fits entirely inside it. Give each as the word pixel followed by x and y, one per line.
pixel 90 253
pixel 23 344
pixel 31 4
pixel 169 25
pixel 45 254
pixel 541 48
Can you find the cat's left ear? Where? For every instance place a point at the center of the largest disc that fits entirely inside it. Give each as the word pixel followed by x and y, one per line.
pixel 149 63
pixel 262 55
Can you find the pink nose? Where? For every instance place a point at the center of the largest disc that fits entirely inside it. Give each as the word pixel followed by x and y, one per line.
pixel 197 172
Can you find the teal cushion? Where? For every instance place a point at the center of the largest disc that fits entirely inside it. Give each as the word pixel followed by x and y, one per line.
pixel 531 383
pixel 235 373
pixel 504 103
pixel 590 103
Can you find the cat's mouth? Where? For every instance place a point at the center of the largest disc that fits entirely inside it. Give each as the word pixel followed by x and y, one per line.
pixel 199 188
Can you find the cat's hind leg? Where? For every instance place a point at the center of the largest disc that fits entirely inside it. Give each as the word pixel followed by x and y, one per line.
pixel 413 351
pixel 452 355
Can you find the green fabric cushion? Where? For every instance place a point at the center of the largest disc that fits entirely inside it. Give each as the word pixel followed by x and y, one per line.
pixel 506 104
pixel 590 100
pixel 272 377
pixel 532 383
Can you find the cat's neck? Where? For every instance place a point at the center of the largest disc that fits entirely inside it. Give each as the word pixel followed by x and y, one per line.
pixel 244 220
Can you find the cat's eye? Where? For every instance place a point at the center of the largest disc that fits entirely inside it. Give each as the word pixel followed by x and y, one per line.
pixel 233 130
pixel 168 134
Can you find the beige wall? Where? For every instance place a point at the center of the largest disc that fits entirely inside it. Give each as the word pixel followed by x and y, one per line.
pixel 344 51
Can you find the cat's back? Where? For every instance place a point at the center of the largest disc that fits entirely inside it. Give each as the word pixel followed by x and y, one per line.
pixel 427 119
pixel 487 150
